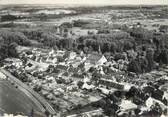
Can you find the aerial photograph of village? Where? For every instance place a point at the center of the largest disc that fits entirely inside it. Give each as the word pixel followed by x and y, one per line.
pixel 83 60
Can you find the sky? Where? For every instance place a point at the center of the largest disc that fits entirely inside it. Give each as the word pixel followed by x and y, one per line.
pixel 91 2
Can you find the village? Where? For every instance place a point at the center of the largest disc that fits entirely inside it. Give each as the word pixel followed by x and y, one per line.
pixel 70 80
pixel 84 61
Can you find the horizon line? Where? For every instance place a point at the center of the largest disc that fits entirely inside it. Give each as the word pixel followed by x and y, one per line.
pixel 87 4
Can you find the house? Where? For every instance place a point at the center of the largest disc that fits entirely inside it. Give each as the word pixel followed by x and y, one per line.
pixel 87 86
pixel 33 65
pixel 51 60
pixel 111 83
pixel 60 53
pixel 96 59
pixel 30 67
pixel 2 76
pixel 75 63
pixel 51 52
pixel 125 106
pixel 72 55
pixel 14 61
pixel 62 67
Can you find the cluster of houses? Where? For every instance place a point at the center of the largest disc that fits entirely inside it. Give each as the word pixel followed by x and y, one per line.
pixel 70 80
pixel 57 73
pixel 60 57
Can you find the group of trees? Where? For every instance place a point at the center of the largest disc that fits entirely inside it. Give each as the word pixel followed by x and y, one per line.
pixel 49 39
pixel 8 50
pixel 116 41
pixel 151 47
pixel 9 36
pixel 152 51
pixel 9 41
pixel 113 41
pixel 8 18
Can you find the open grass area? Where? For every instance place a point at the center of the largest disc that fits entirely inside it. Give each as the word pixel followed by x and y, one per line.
pixel 12 100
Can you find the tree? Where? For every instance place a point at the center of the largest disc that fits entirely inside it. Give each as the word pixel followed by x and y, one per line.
pixel 43 17
pixel 86 49
pixel 17 37
pixel 134 66
pixel 163 57
pixel 66 25
pixel 106 47
pixel 103 31
pixel 3 51
pixel 113 47
pixel 80 84
pixel 48 40
pixel 8 18
pixel 150 59
pixel 79 23
pixel 12 50
pixel 163 28
pixel 128 45
pixel 96 76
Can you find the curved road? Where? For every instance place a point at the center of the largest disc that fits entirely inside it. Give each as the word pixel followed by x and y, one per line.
pixel 13 100
pixel 44 105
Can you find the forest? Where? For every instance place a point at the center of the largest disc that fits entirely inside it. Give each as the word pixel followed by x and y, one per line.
pixel 144 49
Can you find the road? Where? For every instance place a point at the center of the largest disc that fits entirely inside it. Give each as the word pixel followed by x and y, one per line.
pixel 13 100
pixel 30 92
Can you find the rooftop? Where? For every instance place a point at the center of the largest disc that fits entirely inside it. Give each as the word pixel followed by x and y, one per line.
pixel 92 58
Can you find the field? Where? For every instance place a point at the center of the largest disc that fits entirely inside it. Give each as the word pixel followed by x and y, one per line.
pixel 55 15
pixel 13 100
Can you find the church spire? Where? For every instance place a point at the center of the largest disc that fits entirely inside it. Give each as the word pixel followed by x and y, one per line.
pixel 100 50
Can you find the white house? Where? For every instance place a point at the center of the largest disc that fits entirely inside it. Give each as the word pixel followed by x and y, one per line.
pixel 94 60
pixel 72 55
pixel 2 76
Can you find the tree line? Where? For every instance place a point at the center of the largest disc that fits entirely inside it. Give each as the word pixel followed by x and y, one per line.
pixel 145 50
